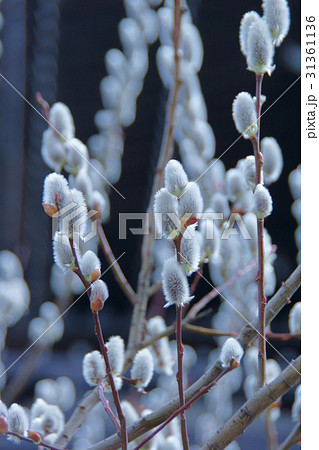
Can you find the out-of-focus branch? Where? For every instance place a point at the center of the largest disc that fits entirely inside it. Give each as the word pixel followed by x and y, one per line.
pixel 166 151
pixel 248 412
pixel 87 403
pixel 293 438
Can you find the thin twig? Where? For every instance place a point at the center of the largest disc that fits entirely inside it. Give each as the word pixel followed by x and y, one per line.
pixel 30 441
pixel 179 375
pixel 115 267
pixel 103 347
pixel 260 244
pixel 248 412
pixel 107 408
pixel 166 151
pixel 213 332
pixel 293 438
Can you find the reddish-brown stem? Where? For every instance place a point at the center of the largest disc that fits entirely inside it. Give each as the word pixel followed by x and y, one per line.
pixel 129 380
pixel 179 375
pixel 260 244
pixel 282 336
pixel 196 280
pixel 107 408
pixel 43 104
pixel 26 439
pixel 98 331
pixel 187 405
pixel 77 269
pixel 115 267
pixel 99 335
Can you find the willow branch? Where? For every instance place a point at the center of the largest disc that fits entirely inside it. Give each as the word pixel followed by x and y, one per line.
pixel 246 337
pixel 107 408
pixel 213 332
pixel 86 404
pixel 26 439
pixel 260 244
pixel 187 405
pixel 248 412
pixel 293 438
pixel 115 267
pixel 179 375
pixel 166 151
pixel 116 398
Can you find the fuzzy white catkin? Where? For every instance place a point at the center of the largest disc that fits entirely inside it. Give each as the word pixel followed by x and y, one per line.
pixel 296 407
pixel 99 290
pixel 164 358
pixel 62 252
pixel 93 368
pixel 191 202
pixel 53 151
pixel 294 321
pixel 77 155
pixel 231 352
pixel 245 23
pixel 17 421
pixel 219 203
pixel 245 115
pixel 166 204
pixel 175 284
pixel 273 370
pixel 175 178
pixel 62 120
pixel 249 170
pixel 89 263
pixel 129 412
pixel 277 16
pixel 190 251
pixel 294 181
pixel 3 409
pixel 52 419
pixel 83 182
pixel 235 183
pixel 67 393
pixel 260 49
pixel 115 346
pixel 74 198
pixel 272 159
pixel 143 368
pixel 262 202
pixel 55 187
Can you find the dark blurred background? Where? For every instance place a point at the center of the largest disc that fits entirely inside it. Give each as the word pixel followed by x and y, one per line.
pixel 57 47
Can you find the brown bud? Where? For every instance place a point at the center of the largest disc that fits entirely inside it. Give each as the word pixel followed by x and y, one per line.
pixel 95 275
pixel 35 436
pixel 3 425
pixel 234 364
pixel 97 305
pixel 49 209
